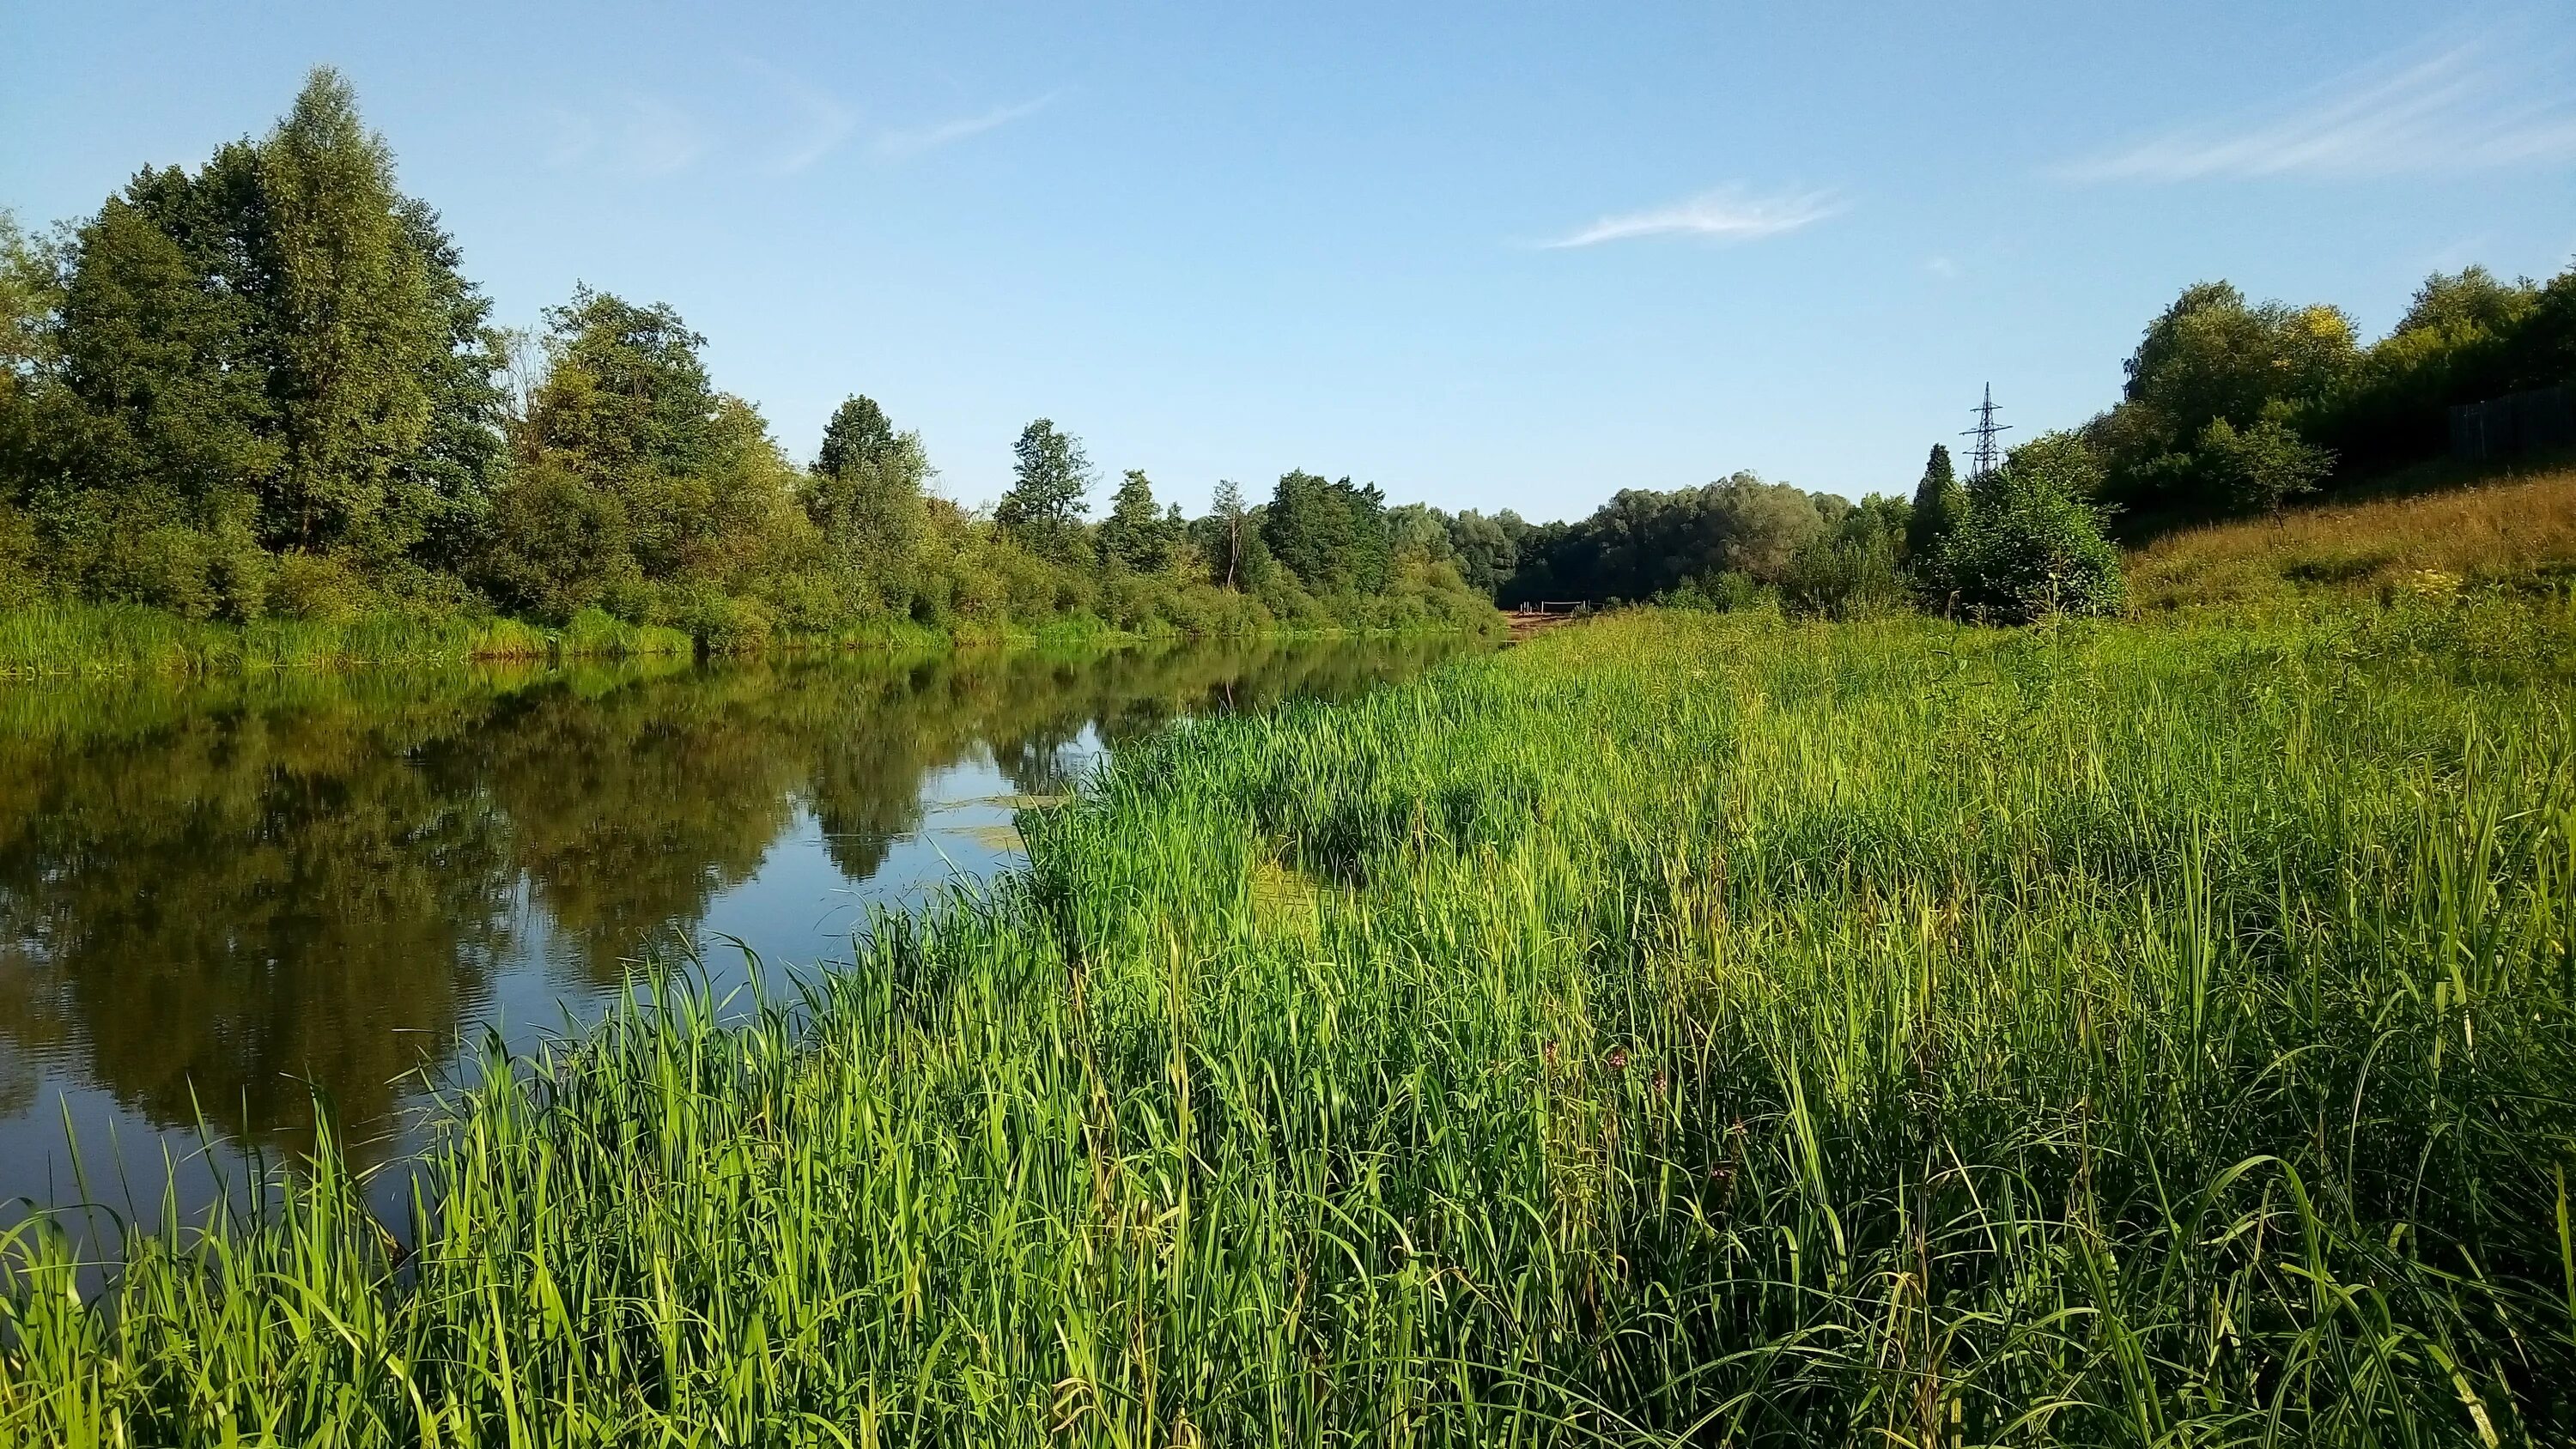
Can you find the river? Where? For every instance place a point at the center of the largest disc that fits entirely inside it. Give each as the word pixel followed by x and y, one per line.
pixel 220 897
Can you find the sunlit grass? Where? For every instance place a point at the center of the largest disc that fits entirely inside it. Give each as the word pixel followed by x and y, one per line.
pixel 2518 532
pixel 1703 1031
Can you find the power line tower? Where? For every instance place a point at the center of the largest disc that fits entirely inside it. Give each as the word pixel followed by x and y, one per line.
pixel 1983 458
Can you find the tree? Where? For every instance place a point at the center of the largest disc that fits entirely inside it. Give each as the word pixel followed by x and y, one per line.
pixel 1485 549
pixel 276 352
pixel 1937 503
pixel 1043 509
pixel 170 437
pixel 446 485
pixel 1225 536
pixel 353 326
pixel 1332 536
pixel 2029 546
pixel 626 391
pixel 1759 525
pixel 32 404
pixel 2212 356
pixel 1418 531
pixel 2471 298
pixel 1852 566
pixel 865 494
pixel 1136 536
pixel 640 489
pixel 2257 469
pixel 857 434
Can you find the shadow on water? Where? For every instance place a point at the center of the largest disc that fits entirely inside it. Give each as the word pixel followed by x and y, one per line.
pixel 218 895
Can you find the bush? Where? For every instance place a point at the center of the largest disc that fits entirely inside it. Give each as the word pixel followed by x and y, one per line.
pixel 2257 469
pixel 315 587
pixel 1843 577
pixel 2029 545
pixel 1721 591
pixel 725 624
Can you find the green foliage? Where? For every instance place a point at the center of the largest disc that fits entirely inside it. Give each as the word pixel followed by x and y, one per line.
pixel 865 496
pixel 2029 546
pixel 1331 536
pixel 265 387
pixel 350 325
pixel 1044 507
pixel 2233 408
pixel 858 435
pixel 627 394
pixel 1855 567
pixel 2257 469
pixel 1677 1031
pixel 1229 538
pixel 1724 591
pixel 274 352
pixel 1938 502
pixel 2213 357
pixel 1487 549
pixel 1136 536
pixel 1643 544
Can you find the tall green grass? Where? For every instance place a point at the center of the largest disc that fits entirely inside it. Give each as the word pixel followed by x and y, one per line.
pixel 118 639
pixel 63 639
pixel 1675 1030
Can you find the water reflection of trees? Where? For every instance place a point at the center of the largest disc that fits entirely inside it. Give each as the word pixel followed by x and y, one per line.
pixel 209 894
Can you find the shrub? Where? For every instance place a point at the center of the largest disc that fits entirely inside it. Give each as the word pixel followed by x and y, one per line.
pixel 2258 468
pixel 316 587
pixel 1843 577
pixel 1721 591
pixel 2029 545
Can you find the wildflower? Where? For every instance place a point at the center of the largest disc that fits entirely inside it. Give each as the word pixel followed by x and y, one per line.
pixel 1618 1059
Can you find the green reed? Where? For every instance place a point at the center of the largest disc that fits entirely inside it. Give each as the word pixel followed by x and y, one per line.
pixel 1696 1031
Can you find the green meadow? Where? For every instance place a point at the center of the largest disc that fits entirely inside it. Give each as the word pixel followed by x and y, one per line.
pixel 1680 1029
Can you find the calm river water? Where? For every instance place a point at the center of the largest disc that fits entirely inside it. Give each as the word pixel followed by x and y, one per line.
pixel 215 897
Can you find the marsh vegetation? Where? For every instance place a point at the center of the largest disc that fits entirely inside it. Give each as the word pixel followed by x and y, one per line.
pixel 1677 1029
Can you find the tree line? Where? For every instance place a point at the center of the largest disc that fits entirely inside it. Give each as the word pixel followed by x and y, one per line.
pixel 265 387
pixel 2230 408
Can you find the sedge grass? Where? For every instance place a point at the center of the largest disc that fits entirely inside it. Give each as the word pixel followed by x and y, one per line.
pixel 1673 1031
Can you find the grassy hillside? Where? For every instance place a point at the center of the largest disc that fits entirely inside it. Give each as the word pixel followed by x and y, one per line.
pixel 1676 1030
pixel 2517 533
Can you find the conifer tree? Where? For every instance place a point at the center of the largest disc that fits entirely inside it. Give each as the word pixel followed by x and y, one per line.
pixel 1937 501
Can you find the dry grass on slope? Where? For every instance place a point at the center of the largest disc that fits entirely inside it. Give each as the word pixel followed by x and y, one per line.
pixel 2516 531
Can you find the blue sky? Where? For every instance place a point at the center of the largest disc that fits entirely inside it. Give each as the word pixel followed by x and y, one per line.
pixel 1490 255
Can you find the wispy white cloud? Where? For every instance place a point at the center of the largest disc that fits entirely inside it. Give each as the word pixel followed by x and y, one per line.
pixel 653 137
pixel 637 135
pixel 2457 109
pixel 1726 214
pixel 902 145
pixel 823 123
pixel 1946 268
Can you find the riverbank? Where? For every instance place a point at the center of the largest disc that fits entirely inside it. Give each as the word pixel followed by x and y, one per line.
pixel 1672 1030
pixel 74 639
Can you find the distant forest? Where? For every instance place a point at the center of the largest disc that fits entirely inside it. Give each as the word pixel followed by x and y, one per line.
pixel 2231 409
pixel 265 388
